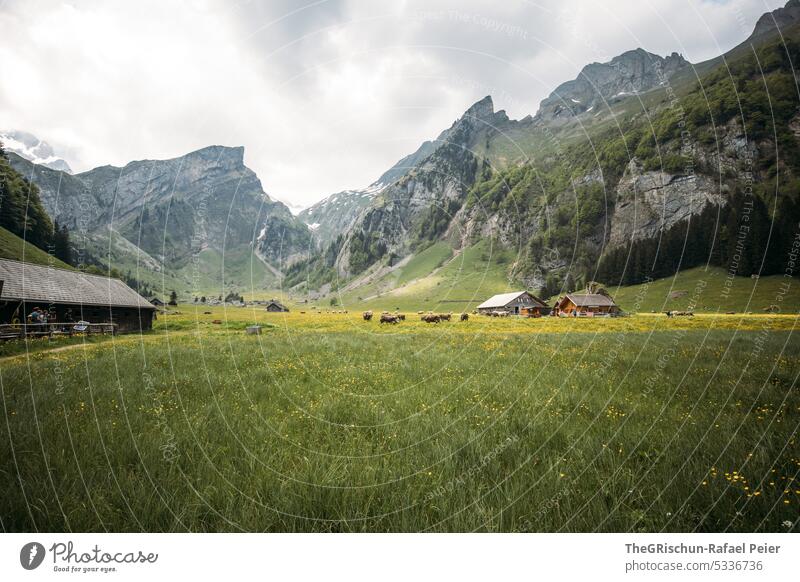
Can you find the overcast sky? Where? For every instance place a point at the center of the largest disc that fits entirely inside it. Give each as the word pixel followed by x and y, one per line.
pixel 324 95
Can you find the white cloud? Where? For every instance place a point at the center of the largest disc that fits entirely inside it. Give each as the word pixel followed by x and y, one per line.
pixel 323 97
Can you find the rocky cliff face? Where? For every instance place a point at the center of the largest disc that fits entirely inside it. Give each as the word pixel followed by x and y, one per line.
pixel 173 209
pixel 649 202
pixel 429 185
pixel 628 74
pixel 335 214
pixel 338 213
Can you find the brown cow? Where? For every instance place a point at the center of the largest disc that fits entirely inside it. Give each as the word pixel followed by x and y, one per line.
pixel 445 316
pixel 367 315
pixel 431 318
pixel 389 318
pixel 465 317
pixel 401 316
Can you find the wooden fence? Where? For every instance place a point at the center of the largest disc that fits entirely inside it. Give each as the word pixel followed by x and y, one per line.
pixel 10 331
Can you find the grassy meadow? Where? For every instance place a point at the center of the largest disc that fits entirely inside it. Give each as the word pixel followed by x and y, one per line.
pixel 329 423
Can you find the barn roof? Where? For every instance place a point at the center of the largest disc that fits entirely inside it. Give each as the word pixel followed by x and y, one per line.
pixel 29 282
pixel 591 300
pixel 504 299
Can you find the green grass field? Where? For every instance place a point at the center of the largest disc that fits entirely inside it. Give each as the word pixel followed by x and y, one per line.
pixel 329 423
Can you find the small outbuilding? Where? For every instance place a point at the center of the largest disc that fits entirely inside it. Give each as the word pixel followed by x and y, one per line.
pixel 70 296
pixel 276 306
pixel 517 303
pixel 586 304
pixel 157 302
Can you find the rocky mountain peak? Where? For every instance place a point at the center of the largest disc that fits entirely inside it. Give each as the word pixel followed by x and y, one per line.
pixel 630 73
pixel 483 109
pixel 30 147
pixel 777 19
pixel 480 117
pixel 232 157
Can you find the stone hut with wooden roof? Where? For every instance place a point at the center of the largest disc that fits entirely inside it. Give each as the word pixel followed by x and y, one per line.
pixel 71 294
pixel 517 303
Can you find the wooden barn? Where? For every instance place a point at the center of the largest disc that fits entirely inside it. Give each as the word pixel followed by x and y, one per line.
pixel 586 304
pixel 157 302
pixel 71 296
pixel 517 303
pixel 276 306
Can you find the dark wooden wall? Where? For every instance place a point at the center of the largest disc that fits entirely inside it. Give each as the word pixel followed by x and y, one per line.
pixel 128 319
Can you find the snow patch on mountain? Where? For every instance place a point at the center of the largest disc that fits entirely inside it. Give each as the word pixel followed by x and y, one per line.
pixel 30 147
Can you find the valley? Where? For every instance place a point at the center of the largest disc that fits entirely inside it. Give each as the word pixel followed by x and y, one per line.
pixel 331 368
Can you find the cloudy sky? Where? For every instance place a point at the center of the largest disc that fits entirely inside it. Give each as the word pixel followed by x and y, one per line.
pixel 324 95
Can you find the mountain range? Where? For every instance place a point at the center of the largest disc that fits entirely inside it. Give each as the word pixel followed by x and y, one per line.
pixel 192 221
pixel 627 151
pixel 631 151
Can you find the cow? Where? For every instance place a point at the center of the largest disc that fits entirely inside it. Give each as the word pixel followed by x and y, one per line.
pixel 389 318
pixel 431 318
pixel 464 317
pixel 367 315
pixel 445 316
pixel 420 312
pixel 401 316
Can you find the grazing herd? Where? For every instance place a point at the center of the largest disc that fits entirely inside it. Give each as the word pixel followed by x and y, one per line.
pixel 499 313
pixel 395 318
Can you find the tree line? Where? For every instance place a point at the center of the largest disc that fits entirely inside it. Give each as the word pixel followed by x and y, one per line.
pixel 742 236
pixel 23 214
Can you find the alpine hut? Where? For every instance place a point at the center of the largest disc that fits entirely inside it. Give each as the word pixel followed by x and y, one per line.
pixel 517 303
pixel 71 295
pixel 586 305
pixel 276 306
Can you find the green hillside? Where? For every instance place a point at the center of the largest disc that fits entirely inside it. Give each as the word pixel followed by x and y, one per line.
pixel 243 272
pixel 461 282
pixel 711 290
pixel 13 247
pixel 437 280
